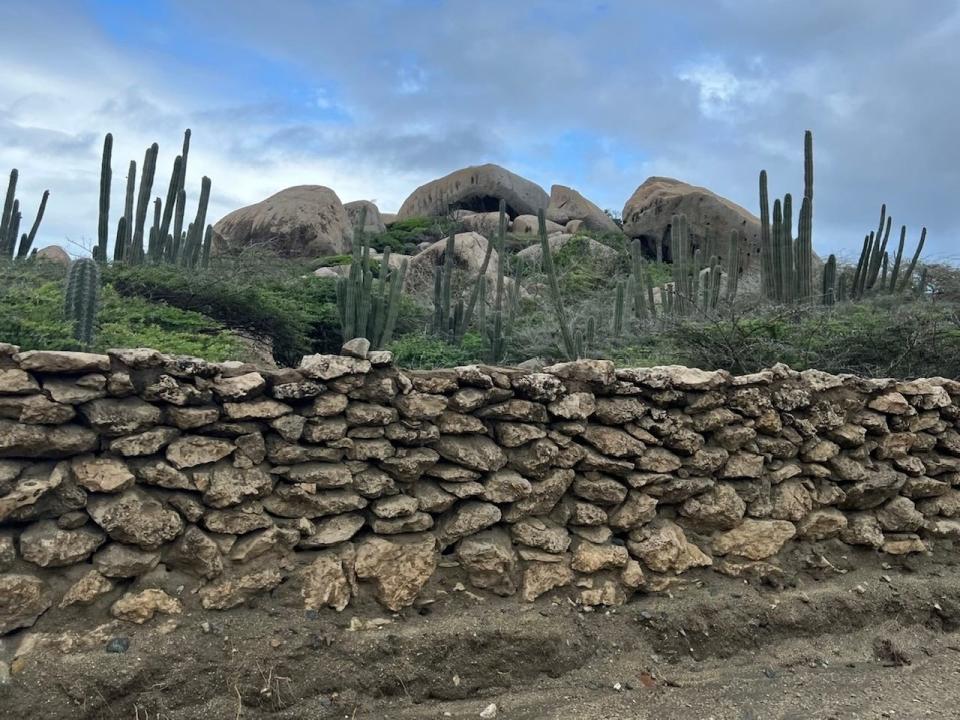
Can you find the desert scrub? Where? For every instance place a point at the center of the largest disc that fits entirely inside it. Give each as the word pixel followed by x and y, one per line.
pixel 34 317
pixel 425 351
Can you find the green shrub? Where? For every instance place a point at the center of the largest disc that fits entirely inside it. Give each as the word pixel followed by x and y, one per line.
pixel 403 236
pixel 425 351
pixel 31 295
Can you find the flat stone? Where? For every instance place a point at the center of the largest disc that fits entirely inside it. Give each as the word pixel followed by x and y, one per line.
pixel 542 577
pixel 755 539
pixel 86 590
pixel 333 531
pixel 120 416
pixel 17 382
pixel 264 409
pixel 192 450
pixel 239 387
pixel 197 553
pixel 61 361
pixel 475 452
pixel 230 592
pixel 124 561
pixel 298 500
pixel 38 441
pixel 101 474
pixel 47 545
pixel 144 605
pixel 145 443
pixel 327 367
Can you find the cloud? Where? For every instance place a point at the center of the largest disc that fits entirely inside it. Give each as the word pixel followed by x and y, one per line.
pixel 374 99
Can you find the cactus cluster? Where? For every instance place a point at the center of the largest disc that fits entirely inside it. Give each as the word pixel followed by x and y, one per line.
pixel 368 305
pixel 188 248
pixel 786 262
pixel 696 287
pixel 83 299
pixel 452 318
pixel 10 222
pixel 874 272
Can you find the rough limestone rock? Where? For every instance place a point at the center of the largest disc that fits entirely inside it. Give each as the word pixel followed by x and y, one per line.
pixel 478 188
pixel 467 519
pixel 85 590
pixel 23 598
pixel 542 577
pixel 648 214
pixel 301 221
pixel 567 204
pixel 136 518
pixel 373 223
pixel 230 592
pixel 490 561
pixel 755 539
pixel 326 582
pixel 42 441
pixel 475 452
pixel 398 567
pixel 663 547
pixel 47 545
pixel 101 474
pixel 61 361
pixel 142 606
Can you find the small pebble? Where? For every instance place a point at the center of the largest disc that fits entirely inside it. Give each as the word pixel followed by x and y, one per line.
pixel 118 645
pixel 490 711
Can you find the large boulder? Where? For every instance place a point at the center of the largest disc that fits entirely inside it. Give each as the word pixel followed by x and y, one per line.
pixel 710 218
pixel 55 254
pixel 301 221
pixel 469 249
pixel 373 222
pixel 479 188
pixel 567 204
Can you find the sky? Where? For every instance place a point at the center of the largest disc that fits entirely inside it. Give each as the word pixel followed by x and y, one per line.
pixel 373 98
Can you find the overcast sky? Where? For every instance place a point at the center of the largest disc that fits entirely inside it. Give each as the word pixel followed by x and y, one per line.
pixel 373 98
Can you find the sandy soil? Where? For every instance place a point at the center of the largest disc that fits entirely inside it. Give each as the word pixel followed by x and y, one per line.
pixel 856 637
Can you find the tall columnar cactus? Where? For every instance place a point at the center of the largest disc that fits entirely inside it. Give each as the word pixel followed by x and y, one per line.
pixel 828 292
pixel 369 306
pixel 8 212
pixel 874 274
pixel 83 299
pixel 106 179
pixel 137 252
pixel 733 266
pixel 10 219
pixel 566 335
pixel 786 263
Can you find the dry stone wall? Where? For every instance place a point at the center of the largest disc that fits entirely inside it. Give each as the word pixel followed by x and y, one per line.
pixel 134 483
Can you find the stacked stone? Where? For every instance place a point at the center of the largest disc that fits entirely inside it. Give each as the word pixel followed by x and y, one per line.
pixel 141 483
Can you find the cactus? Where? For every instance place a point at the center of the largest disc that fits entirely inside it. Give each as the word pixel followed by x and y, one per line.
pixel 10 220
pixel 8 212
pixel 569 344
pixel 173 192
pixel 367 308
pixel 137 254
pixel 733 266
pixel 106 179
pixel 875 272
pixel 82 299
pixel 618 311
pixel 828 294
pixel 786 263
pixel 26 240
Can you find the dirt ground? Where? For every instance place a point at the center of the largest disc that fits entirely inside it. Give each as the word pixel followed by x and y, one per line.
pixel 842 636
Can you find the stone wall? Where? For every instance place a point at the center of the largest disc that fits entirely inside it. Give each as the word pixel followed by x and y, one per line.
pixel 134 483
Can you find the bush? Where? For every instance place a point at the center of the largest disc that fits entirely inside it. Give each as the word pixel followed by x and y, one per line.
pixel 298 312
pixel 403 236
pixel 424 351
pixel 32 298
pixel 886 336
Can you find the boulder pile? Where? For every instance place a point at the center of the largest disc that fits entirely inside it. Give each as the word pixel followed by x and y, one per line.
pixel 141 484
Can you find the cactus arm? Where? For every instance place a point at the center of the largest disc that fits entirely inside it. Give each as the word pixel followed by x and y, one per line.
pixel 913 263
pixel 173 191
pixel 27 241
pixel 554 286
pixel 106 178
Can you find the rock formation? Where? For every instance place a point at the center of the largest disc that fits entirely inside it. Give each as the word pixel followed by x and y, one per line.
pixel 478 188
pixel 301 221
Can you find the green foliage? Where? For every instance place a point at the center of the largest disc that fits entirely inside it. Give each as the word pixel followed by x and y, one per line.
pixel 35 317
pixel 403 236
pixel 881 337
pixel 425 351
